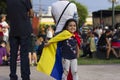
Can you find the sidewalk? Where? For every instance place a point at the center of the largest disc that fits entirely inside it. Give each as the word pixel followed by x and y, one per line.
pixel 86 72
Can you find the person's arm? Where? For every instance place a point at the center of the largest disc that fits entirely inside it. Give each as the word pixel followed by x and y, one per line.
pixel 31 13
pixel 1 28
pixel 28 6
pixel 78 51
pixel 47 44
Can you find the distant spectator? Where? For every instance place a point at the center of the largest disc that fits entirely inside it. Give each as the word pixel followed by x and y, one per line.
pixel 92 44
pixel 49 32
pixel 3 53
pixel 32 53
pixel 42 33
pixel 105 43
pixel 5 27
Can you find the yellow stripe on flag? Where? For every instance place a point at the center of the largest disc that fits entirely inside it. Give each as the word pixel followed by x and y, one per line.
pixel 47 60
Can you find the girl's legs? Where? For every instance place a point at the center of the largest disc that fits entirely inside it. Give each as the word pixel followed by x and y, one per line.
pixel 114 52
pixel 66 66
pixel 74 69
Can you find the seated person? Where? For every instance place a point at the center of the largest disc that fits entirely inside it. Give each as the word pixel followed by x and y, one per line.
pixel 105 43
pixel 3 53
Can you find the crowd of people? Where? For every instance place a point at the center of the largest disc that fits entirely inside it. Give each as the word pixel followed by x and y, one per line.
pixel 26 48
pixel 100 39
pixel 37 43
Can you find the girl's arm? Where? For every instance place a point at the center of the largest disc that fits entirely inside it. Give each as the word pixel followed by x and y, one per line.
pixel 78 51
pixel 47 43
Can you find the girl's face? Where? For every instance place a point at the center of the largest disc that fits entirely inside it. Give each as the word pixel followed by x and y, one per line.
pixel 71 27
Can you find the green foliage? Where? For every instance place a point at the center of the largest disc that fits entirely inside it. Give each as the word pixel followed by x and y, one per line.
pixel 116 7
pixel 3 6
pixel 96 61
pixel 82 12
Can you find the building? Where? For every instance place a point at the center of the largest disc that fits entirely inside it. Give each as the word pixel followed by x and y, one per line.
pixel 46 18
pixel 104 18
pixel 89 20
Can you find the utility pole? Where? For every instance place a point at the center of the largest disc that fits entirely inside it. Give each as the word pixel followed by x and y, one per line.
pixel 113 12
pixel 40 10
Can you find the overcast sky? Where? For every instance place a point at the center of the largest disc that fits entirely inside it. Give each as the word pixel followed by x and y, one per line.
pixel 92 5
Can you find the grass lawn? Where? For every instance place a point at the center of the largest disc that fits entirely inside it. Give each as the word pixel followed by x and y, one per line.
pixel 91 61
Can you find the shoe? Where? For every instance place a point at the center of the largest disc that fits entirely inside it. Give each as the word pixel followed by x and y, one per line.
pixel 28 78
pixel 14 78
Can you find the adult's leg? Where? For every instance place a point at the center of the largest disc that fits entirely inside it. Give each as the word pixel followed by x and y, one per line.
pixel 24 54
pixel 14 44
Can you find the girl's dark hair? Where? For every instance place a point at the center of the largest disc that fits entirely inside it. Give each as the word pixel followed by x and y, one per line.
pixel 67 23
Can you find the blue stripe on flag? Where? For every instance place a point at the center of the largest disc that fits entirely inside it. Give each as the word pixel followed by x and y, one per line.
pixel 57 69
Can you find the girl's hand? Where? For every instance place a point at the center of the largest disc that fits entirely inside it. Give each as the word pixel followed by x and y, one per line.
pixel 46 44
pixel 78 55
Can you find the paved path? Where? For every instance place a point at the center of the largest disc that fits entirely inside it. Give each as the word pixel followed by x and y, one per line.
pixel 86 72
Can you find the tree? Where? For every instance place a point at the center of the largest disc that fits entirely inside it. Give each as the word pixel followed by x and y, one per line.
pixel 116 7
pixel 82 12
pixel 2 6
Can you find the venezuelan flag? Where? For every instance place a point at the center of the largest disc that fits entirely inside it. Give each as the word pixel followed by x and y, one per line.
pixel 50 61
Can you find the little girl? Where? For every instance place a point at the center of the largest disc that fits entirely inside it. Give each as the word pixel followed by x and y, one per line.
pixel 69 50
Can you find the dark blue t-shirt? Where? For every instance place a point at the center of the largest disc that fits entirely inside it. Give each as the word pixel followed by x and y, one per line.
pixel 69 48
pixel 17 11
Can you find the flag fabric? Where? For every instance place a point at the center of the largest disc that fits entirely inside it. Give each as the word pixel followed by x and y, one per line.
pixel 70 77
pixel 77 37
pixel 50 61
pixel 116 44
